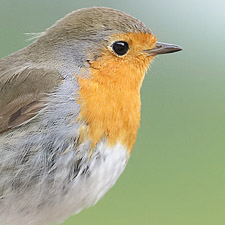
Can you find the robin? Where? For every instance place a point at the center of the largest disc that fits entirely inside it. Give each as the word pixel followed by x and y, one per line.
pixel 70 112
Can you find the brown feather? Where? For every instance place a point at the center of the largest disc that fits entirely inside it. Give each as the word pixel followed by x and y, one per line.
pixel 23 91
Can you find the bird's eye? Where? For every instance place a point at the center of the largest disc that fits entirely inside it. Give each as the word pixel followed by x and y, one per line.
pixel 120 47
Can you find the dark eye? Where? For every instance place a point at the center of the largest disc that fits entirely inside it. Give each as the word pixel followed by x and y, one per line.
pixel 120 47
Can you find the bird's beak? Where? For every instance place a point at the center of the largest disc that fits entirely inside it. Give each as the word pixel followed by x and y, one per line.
pixel 163 48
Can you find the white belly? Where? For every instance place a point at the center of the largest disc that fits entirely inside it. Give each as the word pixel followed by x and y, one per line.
pixel 104 168
pixel 104 172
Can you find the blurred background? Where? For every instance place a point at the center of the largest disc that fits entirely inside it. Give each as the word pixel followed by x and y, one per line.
pixel 176 175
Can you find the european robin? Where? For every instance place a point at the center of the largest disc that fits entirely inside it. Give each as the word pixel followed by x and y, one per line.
pixel 70 112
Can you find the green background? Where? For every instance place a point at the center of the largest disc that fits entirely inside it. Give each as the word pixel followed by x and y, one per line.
pixel 176 175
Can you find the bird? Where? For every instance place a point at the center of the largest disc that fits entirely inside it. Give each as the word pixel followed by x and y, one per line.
pixel 70 112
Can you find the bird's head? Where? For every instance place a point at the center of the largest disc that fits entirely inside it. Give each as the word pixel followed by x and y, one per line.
pixel 116 47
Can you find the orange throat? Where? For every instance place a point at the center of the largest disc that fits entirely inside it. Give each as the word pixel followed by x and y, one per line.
pixel 110 99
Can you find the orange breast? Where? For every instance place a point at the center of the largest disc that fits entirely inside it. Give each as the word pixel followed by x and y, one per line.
pixel 110 98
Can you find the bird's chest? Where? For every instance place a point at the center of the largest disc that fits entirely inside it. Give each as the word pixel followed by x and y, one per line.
pixel 95 177
pixel 109 112
pixel 71 181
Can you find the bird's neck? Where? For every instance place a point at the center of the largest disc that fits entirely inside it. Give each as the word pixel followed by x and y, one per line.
pixel 110 112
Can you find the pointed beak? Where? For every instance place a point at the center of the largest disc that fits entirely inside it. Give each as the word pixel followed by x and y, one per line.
pixel 163 48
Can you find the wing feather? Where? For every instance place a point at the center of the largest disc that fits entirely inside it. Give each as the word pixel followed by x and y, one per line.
pixel 22 93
